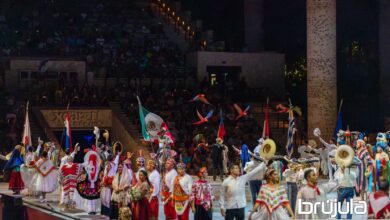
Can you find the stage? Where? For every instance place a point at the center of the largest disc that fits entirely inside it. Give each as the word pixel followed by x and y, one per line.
pixel 33 209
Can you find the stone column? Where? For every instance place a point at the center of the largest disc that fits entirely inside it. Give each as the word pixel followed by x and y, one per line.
pixel 254 18
pixel 384 57
pixel 321 66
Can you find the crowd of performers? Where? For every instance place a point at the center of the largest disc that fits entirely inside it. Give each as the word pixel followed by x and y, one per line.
pixel 103 179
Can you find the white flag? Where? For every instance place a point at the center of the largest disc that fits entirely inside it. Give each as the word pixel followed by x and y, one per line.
pixel 26 140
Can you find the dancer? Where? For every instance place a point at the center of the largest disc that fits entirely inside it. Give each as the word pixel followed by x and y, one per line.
pixel 127 163
pixel 167 188
pixel 272 200
pixel 68 180
pixel 140 166
pixel 121 186
pixel 46 177
pixel 28 171
pixel 108 176
pixel 139 194
pixel 365 177
pixel 217 158
pixel 154 179
pixel 13 164
pixel 182 185
pixel 313 193
pixel 232 198
pixel 202 197
pixel 88 185
pixel 379 202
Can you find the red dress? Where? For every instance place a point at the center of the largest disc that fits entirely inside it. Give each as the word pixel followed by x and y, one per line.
pixel 140 208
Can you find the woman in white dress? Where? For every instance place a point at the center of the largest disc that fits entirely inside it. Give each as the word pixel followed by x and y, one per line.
pixel 272 201
pixel 46 178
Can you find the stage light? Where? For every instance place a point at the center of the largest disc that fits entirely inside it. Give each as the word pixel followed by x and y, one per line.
pixel 168 9
pixel 178 18
pixel 183 23
pixel 173 13
pixel 193 33
pixel 163 5
pixel 188 28
pixel 204 43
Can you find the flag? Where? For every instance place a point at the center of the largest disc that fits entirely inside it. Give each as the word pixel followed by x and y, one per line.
pixel 266 124
pixel 26 140
pixel 290 133
pixel 339 125
pixel 221 128
pixel 151 124
pixel 68 133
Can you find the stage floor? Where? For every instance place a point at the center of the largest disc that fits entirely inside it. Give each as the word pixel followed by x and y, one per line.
pixel 53 200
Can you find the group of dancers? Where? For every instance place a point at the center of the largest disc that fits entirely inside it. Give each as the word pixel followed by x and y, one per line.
pixel 103 179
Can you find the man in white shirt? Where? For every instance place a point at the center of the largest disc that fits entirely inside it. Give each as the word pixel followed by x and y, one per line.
pixel 292 175
pixel 232 198
pixel 331 148
pixel 154 179
pixel 256 181
pixel 306 151
pixel 346 176
pixel 167 188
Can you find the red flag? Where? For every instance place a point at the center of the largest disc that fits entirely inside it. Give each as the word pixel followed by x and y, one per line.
pixel 221 128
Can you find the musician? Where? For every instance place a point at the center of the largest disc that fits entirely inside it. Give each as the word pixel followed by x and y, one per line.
pixel 256 181
pixel 292 176
pixel 305 150
pixel 346 177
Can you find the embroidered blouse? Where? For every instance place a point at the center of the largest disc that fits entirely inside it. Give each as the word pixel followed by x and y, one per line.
pixel 202 194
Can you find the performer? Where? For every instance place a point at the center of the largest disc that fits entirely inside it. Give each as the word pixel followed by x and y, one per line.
pixel 139 193
pixel 271 200
pixel 182 185
pixel 217 158
pixel 313 193
pixel 331 147
pixel 13 164
pixel 88 185
pixel 167 188
pixel 140 166
pixel 68 180
pixel 256 181
pixel 46 176
pixel 202 197
pixel 292 176
pixel 120 185
pixel 68 156
pixel 379 202
pixel 232 198
pixel 225 159
pixel 108 176
pixel 381 160
pixel 28 171
pixel 365 177
pixel 127 163
pixel 154 179
pixel 346 176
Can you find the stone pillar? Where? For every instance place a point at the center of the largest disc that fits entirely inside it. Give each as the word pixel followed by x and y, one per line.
pixel 321 66
pixel 384 57
pixel 254 18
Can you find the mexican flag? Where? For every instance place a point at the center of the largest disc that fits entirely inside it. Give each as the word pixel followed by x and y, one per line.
pixel 151 123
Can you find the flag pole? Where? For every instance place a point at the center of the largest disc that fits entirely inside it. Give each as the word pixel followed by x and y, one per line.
pixel 341 104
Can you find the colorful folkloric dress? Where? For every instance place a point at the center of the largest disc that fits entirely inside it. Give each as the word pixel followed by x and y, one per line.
pixel 140 203
pixel 166 190
pixel 120 198
pixel 182 186
pixel 46 178
pixel 109 174
pixel 16 183
pixel 364 181
pixel 68 179
pixel 28 171
pixel 202 195
pixel 272 199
